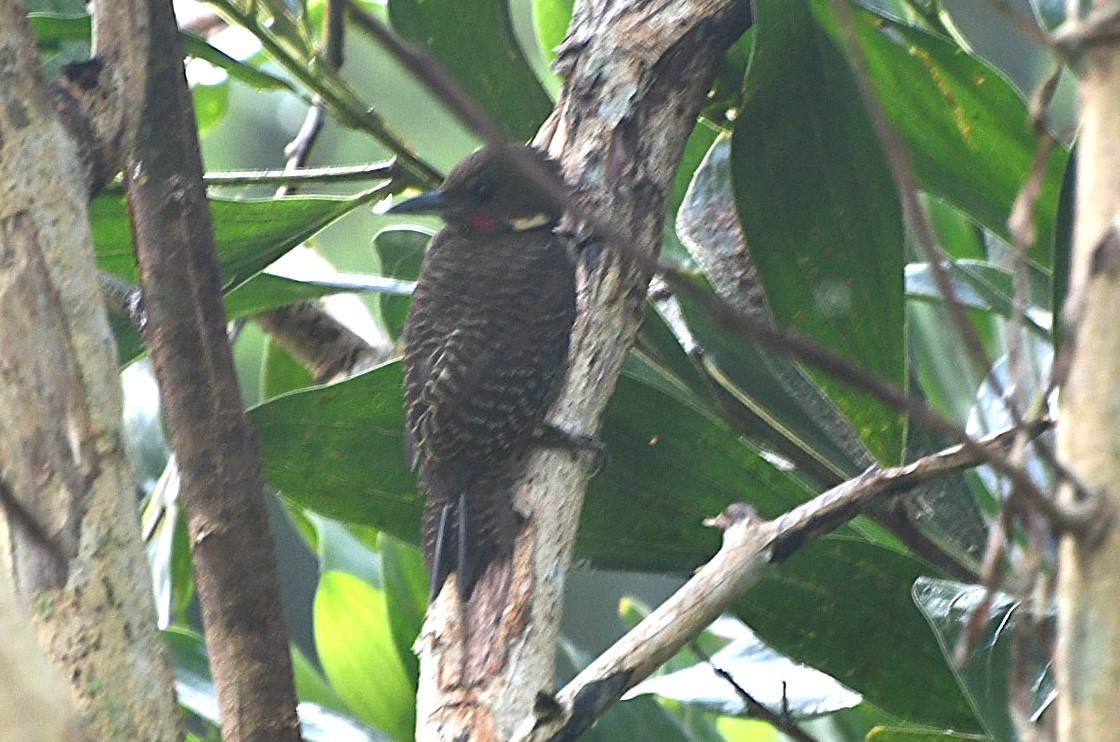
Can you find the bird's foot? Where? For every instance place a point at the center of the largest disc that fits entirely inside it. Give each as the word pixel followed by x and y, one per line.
pixel 550 436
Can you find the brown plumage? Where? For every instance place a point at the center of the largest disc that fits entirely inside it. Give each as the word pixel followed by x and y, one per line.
pixel 486 346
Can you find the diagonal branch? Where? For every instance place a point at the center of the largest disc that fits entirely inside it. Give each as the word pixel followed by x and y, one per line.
pixel 751 547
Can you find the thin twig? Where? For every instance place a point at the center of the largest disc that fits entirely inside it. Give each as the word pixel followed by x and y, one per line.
pixel 305 176
pixel 756 709
pixel 299 149
pixel 1023 231
pixel 326 346
pixel 338 96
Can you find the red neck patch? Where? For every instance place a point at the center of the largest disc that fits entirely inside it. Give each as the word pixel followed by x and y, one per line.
pixel 478 220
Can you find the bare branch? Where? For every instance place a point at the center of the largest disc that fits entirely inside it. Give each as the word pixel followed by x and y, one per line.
pixel 751 547
pixel 215 448
pixel 328 349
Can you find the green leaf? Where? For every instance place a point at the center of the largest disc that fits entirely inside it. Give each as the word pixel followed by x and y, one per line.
pixel 674 370
pixel 773 403
pixel 722 103
pixel 966 128
pixel 345 548
pixel 1063 245
pixel 1050 13
pixel 191 664
pixel 210 104
pixel 747 730
pixel 474 40
pixel 129 343
pixel 987 673
pixel 62 37
pixel 700 141
pixel 312 687
pixel 764 393
pixel 552 18
pixel 358 655
pixel 250 234
pixel 266 291
pixel 820 211
pixel 51 28
pixel 945 374
pixel 670 467
pixel 401 252
pixel 280 373
pixel 959 236
pixel 338 450
pixel 843 606
pixel 406 594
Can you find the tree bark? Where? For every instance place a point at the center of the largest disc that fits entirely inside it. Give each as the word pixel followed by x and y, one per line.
pixel 636 75
pixel 34 704
pixel 215 447
pixel 1088 649
pixel 61 440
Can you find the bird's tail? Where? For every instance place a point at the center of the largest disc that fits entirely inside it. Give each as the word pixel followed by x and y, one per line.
pixel 466 529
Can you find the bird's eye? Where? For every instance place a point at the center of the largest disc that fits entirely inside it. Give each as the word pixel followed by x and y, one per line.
pixel 483 192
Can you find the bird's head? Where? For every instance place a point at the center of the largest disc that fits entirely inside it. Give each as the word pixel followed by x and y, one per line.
pixel 488 191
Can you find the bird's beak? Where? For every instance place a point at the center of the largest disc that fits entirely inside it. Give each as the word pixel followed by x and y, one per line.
pixel 434 202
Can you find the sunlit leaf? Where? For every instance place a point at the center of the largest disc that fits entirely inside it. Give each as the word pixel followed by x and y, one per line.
pixel 250 234
pixel 359 657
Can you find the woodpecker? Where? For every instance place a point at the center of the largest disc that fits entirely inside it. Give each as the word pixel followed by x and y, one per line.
pixel 485 354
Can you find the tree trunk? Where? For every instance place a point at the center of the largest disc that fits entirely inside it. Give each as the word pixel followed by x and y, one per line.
pixel 77 556
pixel 1088 654
pixel 636 75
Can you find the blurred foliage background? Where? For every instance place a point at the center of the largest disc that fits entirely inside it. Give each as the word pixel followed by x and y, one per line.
pixel 784 148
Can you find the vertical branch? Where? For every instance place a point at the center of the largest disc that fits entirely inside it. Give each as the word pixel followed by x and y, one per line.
pixel 61 439
pixel 1088 644
pixel 647 69
pixel 222 487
